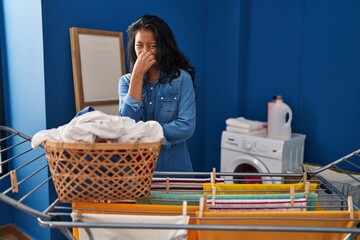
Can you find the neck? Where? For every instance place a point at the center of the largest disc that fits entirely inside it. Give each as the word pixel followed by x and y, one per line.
pixel 153 74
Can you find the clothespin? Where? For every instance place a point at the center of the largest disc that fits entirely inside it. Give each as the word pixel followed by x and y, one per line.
pixel 307 189
pixel 78 214
pixel 351 207
pixel 184 208
pixel 213 195
pixel 292 195
pixel 202 204
pixel 184 211
pixel 305 177
pixel 213 188
pixel 14 181
pixel 212 177
pixel 167 184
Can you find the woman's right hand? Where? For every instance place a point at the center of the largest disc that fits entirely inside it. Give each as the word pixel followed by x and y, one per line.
pixel 143 63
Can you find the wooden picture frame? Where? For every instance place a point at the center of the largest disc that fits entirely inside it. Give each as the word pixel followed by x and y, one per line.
pixel 98 61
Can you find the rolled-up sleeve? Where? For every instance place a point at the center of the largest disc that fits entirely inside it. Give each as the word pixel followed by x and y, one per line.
pixel 128 106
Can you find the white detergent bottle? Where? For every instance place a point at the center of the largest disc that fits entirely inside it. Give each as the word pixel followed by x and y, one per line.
pixel 279 123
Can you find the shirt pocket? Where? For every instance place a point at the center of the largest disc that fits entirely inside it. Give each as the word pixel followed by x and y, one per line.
pixel 168 108
pixel 168 103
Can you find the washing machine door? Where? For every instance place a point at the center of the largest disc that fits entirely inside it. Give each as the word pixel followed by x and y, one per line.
pixel 244 163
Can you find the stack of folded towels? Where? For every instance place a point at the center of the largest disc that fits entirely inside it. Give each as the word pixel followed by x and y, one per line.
pixel 246 126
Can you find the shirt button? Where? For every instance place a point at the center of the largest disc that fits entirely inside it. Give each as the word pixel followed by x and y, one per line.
pixel 162 98
pixel 151 88
pixel 150 102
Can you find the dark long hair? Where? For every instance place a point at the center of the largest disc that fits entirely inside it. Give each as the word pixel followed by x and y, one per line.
pixel 169 57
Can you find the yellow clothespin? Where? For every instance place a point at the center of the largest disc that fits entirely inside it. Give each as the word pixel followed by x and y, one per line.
pixel 351 207
pixel 14 181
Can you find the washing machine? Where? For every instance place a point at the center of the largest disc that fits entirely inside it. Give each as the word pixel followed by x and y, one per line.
pixel 259 154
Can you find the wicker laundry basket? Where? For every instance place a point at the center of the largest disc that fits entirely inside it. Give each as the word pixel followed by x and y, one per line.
pixel 109 172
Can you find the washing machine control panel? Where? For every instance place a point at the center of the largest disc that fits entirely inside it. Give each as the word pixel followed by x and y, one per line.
pixel 262 149
pixel 253 145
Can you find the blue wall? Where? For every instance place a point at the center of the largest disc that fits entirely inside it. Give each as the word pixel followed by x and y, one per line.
pixel 6 215
pixel 6 211
pixel 244 52
pixel 24 90
pixel 223 86
pixel 309 52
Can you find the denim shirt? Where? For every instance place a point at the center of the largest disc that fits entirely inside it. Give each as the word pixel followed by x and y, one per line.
pixel 173 106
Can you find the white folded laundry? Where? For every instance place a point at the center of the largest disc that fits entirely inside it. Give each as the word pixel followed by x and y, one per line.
pixel 96 125
pixel 131 233
pixel 258 205
pixel 245 130
pixel 242 122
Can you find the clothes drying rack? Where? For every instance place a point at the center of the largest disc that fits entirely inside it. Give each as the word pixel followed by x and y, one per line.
pixel 24 172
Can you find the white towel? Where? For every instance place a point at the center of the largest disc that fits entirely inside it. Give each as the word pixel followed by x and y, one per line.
pixel 96 125
pixel 241 122
pixel 136 233
pixel 245 130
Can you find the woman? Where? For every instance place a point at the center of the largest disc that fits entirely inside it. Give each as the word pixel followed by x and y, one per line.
pixel 160 87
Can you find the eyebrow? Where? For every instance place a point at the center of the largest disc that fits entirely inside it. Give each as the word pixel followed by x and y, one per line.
pixel 148 43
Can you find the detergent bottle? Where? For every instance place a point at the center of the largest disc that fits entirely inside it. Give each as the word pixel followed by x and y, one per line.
pixel 276 98
pixel 279 121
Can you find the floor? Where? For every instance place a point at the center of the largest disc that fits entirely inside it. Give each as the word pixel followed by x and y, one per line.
pixel 9 236
pixel 11 232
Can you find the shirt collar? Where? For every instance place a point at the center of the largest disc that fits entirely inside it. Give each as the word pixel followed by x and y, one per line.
pixel 162 78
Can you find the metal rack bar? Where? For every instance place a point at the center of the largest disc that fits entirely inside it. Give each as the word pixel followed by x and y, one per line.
pixel 52 224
